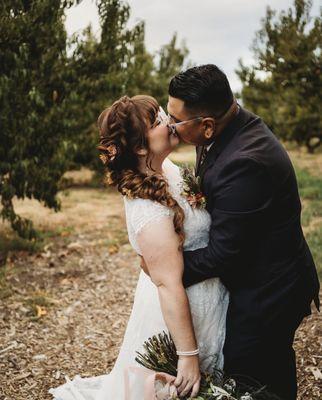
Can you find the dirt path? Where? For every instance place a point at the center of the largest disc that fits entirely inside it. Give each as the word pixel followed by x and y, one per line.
pixel 68 305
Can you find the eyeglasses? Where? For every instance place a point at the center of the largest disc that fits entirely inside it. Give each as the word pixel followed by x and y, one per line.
pixel 165 119
pixel 162 117
pixel 173 126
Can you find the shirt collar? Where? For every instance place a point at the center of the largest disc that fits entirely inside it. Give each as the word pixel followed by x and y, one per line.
pixel 209 146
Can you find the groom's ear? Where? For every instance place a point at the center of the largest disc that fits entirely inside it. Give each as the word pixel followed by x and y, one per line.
pixel 209 127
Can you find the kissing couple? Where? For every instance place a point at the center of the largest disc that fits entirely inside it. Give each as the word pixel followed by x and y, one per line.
pixel 231 277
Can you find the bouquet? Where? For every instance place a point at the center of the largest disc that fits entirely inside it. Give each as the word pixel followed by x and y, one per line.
pixel 160 356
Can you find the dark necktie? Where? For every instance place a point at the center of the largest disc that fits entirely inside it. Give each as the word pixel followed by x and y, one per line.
pixel 201 158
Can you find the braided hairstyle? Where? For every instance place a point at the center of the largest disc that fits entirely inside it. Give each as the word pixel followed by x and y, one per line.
pixel 123 128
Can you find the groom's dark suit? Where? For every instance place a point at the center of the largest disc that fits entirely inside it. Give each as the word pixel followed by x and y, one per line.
pixel 257 248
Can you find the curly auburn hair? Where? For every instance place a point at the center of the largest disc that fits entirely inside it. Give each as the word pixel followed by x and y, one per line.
pixel 123 128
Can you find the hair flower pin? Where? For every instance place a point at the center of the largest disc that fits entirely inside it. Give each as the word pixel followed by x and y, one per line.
pixel 109 154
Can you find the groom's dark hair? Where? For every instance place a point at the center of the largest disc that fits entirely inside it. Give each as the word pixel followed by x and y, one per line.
pixel 204 88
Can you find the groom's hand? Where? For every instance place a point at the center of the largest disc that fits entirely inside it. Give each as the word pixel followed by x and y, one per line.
pixel 143 265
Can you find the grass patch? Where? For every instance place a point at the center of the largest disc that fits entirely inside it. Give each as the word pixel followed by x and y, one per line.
pixel 310 188
pixel 12 242
pixel 314 239
pixel 311 210
pixel 59 231
pixel 5 289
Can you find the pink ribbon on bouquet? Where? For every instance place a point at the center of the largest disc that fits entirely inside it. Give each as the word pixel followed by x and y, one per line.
pixel 157 386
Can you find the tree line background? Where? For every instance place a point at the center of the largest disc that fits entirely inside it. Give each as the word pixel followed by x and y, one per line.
pixel 53 87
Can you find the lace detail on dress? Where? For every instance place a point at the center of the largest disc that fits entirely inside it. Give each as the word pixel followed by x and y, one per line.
pixel 140 213
pixel 145 211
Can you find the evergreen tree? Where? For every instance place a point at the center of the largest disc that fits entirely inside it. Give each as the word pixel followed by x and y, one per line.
pixel 117 63
pixel 102 70
pixel 172 59
pixel 288 50
pixel 35 142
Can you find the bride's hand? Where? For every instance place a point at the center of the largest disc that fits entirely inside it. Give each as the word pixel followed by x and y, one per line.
pixel 188 378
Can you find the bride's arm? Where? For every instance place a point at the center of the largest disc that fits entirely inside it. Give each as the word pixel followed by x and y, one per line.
pixel 159 244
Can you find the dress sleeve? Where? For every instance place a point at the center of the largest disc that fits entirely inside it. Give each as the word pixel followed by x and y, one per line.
pixel 144 212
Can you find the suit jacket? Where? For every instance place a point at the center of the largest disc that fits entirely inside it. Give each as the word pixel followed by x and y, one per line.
pixel 256 244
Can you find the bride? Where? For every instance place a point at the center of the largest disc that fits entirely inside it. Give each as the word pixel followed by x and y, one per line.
pixel 135 143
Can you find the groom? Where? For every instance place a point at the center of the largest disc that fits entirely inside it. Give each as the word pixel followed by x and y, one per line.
pixel 256 244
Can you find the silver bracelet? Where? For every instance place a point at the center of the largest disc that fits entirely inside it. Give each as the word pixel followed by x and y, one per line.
pixel 188 353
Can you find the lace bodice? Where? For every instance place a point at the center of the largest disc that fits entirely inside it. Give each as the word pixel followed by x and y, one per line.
pixel 140 212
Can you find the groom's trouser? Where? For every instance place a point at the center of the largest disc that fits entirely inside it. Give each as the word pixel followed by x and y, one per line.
pixel 268 359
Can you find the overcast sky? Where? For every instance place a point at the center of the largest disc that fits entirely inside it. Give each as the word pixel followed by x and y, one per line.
pixel 218 32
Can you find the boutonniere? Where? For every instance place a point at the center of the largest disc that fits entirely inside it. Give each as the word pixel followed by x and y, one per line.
pixel 191 188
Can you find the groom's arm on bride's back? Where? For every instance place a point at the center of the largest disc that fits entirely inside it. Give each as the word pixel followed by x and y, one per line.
pixel 239 201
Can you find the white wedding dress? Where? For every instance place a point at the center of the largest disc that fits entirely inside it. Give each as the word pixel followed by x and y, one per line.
pixel 208 302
